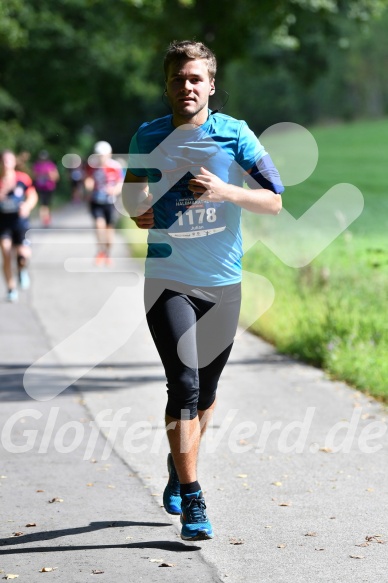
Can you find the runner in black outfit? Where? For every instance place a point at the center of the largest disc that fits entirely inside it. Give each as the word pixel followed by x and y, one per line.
pixel 193 266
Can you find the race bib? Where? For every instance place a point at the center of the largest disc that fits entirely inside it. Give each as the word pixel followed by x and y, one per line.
pixel 190 218
pixel 199 220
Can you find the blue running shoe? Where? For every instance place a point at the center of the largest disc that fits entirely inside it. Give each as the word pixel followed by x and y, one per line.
pixel 172 492
pixel 24 279
pixel 195 523
pixel 12 296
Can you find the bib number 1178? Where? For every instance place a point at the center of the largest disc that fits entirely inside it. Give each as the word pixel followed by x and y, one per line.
pixel 197 216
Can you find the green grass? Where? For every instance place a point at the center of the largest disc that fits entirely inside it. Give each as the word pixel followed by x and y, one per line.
pixel 332 312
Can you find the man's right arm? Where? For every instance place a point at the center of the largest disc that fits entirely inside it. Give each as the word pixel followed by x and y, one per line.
pixel 137 200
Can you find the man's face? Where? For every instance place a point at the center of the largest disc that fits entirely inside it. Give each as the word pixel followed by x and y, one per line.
pixel 189 87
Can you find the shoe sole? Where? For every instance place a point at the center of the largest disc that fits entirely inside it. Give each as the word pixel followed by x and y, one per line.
pixel 200 536
pixel 173 513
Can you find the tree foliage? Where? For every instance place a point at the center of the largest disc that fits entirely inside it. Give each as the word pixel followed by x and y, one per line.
pixel 76 68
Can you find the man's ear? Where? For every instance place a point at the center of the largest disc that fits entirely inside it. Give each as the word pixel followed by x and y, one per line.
pixel 212 88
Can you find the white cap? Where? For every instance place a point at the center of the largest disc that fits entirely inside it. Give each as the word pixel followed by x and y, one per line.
pixel 102 148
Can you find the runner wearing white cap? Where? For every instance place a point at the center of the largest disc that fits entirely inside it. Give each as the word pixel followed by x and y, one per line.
pixel 104 180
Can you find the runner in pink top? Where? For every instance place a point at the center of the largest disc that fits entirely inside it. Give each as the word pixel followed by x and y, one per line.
pixel 46 176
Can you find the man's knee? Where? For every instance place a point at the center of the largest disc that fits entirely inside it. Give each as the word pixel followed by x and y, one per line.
pixel 183 396
pixel 206 401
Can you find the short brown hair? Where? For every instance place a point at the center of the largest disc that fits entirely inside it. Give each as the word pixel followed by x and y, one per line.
pixel 185 50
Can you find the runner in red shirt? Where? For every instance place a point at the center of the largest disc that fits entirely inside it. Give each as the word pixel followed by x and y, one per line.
pixel 104 182
pixel 17 198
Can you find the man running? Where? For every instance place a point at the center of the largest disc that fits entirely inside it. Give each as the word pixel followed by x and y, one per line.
pixel 189 194
pixel 104 181
pixel 17 199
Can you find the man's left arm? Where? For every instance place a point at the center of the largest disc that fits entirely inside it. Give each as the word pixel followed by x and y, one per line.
pixel 264 200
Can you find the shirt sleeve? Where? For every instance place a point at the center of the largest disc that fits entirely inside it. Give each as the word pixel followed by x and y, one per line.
pixel 27 181
pixel 250 150
pixel 254 157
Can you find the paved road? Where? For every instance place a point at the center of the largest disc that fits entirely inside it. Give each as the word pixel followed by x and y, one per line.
pixel 294 468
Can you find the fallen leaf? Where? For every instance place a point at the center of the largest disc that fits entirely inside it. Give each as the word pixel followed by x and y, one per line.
pixel 325 449
pixel 130 537
pixel 319 549
pixel 4 478
pixel 310 534
pixel 285 504
pixel 55 500
pixel 236 541
pixel 10 576
pixel 268 526
pixel 19 533
pixel 97 572
pixel 90 484
pixel 357 556
pixel 156 560
pixel 167 565
pixel 277 484
pixel 31 524
pixel 375 538
pixel 40 490
pixel 110 486
pixel 370 489
pixel 242 475
pixel 363 545
pixel 47 569
pixel 282 546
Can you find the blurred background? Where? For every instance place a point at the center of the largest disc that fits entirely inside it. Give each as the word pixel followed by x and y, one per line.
pixel 75 70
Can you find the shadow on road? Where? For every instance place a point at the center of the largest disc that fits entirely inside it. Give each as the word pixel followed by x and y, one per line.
pixel 93 526
pixel 12 388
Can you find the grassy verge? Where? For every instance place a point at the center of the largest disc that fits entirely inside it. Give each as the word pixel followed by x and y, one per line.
pixel 331 313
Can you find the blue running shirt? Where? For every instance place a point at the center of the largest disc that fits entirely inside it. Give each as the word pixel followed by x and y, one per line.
pixel 195 242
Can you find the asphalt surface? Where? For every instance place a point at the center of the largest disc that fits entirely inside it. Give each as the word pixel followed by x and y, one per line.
pixel 294 469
